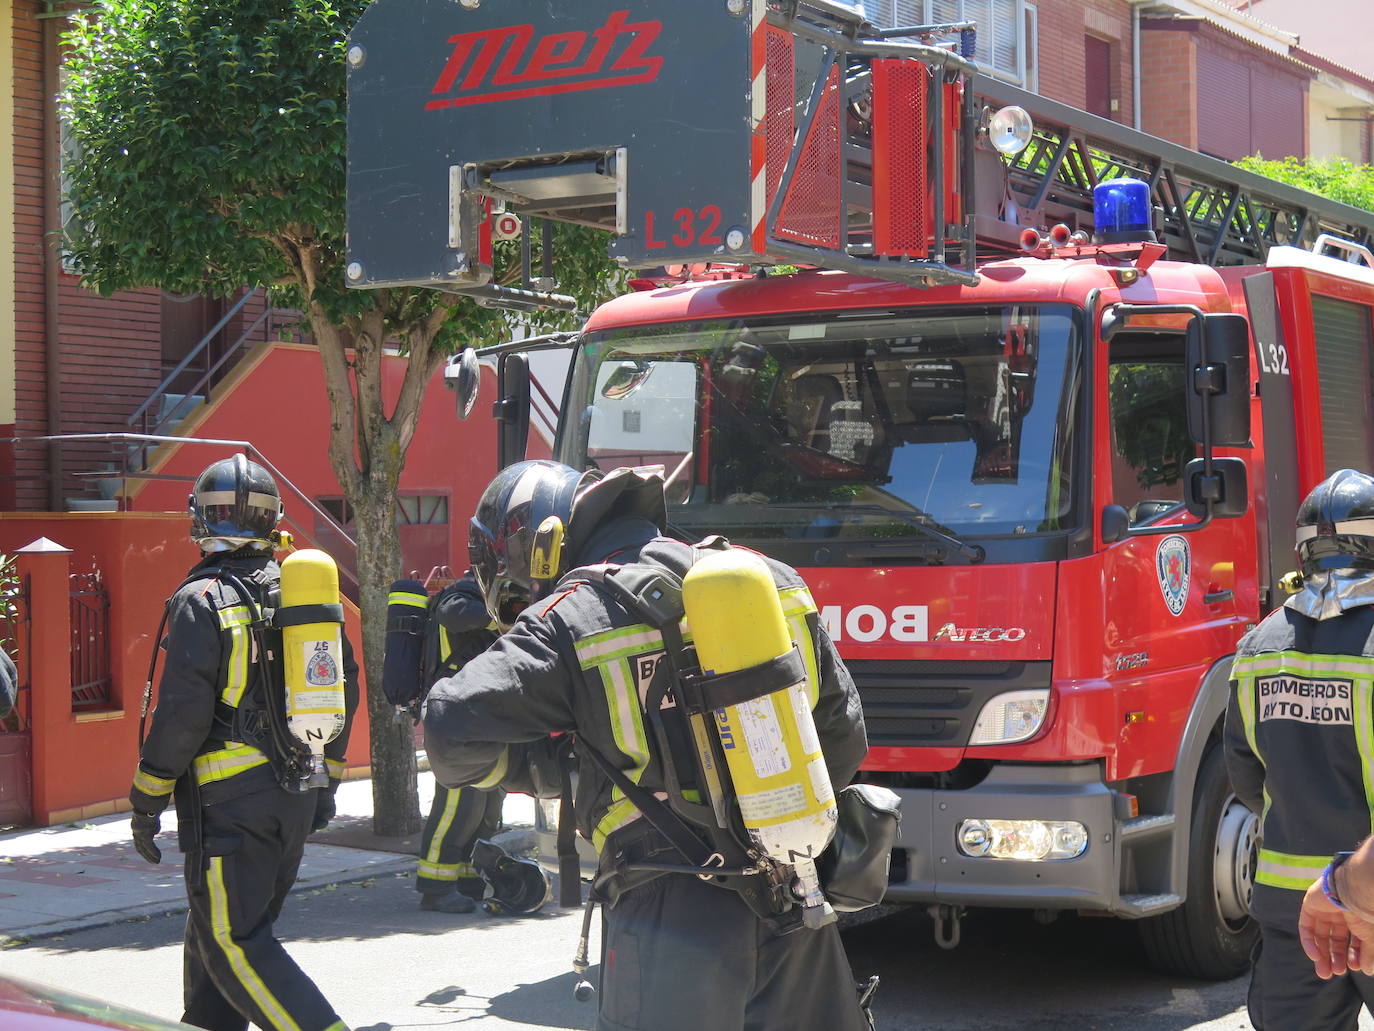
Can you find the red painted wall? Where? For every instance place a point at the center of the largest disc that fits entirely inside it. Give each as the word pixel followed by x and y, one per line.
pixel 278 404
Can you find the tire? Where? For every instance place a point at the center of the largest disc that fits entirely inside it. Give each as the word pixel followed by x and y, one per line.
pixel 1211 936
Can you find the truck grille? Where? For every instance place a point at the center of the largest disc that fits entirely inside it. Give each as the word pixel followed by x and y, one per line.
pixel 934 704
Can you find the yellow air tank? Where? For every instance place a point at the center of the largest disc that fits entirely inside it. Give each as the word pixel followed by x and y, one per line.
pixel 312 647
pixel 770 743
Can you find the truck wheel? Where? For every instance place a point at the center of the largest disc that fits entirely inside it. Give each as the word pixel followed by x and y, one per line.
pixel 1211 935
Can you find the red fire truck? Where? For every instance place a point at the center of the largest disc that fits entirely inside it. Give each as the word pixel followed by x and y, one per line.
pixel 1030 398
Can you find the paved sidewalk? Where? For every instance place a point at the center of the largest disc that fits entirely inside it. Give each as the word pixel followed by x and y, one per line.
pixel 66 878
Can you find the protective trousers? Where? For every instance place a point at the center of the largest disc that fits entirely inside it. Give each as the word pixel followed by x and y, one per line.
pixel 457 818
pixel 681 955
pixel 1287 995
pixel 236 971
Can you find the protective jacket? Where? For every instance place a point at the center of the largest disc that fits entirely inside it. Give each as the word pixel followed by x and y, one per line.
pixel 212 690
pixel 1300 746
pixel 580 661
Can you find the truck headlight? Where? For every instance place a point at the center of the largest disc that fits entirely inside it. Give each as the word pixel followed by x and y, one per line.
pixel 1011 717
pixel 1033 840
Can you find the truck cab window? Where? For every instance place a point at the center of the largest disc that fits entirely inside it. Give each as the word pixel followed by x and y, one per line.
pixel 1149 424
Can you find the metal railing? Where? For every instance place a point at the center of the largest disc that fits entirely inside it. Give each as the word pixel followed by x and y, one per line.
pixel 16 637
pixel 90 619
pixel 149 420
pixel 347 561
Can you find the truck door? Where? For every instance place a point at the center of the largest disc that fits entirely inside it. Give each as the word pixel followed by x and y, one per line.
pixel 1176 602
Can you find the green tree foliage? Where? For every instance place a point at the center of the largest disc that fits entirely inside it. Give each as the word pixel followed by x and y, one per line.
pixel 1336 178
pixel 209 154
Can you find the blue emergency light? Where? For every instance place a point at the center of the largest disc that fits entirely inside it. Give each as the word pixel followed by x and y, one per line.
pixel 1122 212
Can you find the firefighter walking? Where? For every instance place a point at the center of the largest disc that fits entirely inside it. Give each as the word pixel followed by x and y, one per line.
pixel 679 953
pixel 247 792
pixel 1300 748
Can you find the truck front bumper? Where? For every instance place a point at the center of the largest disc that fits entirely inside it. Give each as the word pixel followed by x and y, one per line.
pixel 928 866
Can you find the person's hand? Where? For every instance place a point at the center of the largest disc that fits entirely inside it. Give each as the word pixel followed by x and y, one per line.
pixel 145 826
pixel 324 810
pixel 1335 940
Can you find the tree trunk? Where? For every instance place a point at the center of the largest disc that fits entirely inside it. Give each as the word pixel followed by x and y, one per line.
pixel 395 800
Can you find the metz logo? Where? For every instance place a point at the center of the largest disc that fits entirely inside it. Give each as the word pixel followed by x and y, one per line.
pixel 510 63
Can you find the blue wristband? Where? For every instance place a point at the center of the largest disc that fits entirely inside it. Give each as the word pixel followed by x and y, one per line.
pixel 1329 880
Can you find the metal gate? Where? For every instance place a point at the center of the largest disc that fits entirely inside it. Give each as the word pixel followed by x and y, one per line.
pixel 90 612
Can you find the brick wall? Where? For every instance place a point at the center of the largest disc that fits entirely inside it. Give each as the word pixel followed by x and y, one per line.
pixel 1168 90
pixel 110 347
pixel 1063 24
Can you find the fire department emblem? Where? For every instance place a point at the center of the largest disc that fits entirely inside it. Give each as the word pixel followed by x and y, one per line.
pixel 321 670
pixel 1173 567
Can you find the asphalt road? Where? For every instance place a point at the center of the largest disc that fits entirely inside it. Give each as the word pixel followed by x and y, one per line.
pixel 388 966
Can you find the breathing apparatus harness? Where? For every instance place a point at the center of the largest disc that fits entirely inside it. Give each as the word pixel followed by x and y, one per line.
pixel 260 719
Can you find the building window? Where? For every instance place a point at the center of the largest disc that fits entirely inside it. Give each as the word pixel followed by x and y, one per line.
pixel 422 509
pixel 1002 26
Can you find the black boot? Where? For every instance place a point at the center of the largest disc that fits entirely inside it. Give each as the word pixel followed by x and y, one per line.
pixel 448 902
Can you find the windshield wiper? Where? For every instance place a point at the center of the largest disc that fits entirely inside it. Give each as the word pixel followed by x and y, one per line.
pixel 913 518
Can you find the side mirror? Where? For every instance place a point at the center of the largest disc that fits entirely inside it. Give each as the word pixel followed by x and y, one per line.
pixel 1218 370
pixel 1116 524
pixel 512 409
pixel 463 375
pixel 1224 490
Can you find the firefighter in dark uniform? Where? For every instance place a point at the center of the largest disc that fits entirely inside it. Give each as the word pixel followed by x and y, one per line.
pixel 210 744
pixel 679 953
pixel 1300 748
pixel 459 630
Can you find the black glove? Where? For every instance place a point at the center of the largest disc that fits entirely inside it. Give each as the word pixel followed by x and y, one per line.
pixel 145 826
pixel 324 811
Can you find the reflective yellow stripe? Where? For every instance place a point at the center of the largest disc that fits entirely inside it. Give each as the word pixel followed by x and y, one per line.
pixel 618 815
pixel 227 762
pixel 233 615
pixel 1364 741
pixel 617 644
pixel 1302 664
pixel 151 785
pixel 420 601
pixel 498 772
pixel 338 1025
pixel 243 971
pixel 445 645
pixel 438 871
pixel 335 768
pixel 1280 870
pixel 236 678
pixel 430 860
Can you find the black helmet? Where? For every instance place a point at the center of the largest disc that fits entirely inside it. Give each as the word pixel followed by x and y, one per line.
pixel 1336 524
pixel 236 501
pixel 518 886
pixel 535 515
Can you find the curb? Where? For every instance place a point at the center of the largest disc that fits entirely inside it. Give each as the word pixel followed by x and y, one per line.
pixel 516 839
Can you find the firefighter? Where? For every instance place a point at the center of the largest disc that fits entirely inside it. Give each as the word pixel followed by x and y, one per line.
pixel 678 953
pixel 1300 750
pixel 459 629
pixel 212 745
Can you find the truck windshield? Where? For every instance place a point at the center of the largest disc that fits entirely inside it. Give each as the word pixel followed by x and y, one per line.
pixel 849 426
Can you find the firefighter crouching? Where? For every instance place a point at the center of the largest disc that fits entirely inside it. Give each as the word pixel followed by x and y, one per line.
pixel 429 638
pixel 679 951
pixel 251 745
pixel 1300 748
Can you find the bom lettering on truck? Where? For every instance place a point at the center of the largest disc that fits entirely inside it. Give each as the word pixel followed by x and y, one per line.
pixel 905 623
